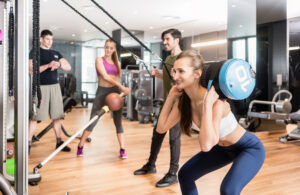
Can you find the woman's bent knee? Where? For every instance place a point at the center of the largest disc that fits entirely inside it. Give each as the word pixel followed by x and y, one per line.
pixel 183 175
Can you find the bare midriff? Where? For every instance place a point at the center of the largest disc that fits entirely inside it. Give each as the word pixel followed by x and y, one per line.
pixel 233 137
pixel 103 83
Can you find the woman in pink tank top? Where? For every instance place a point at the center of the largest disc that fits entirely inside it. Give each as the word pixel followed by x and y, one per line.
pixel 108 71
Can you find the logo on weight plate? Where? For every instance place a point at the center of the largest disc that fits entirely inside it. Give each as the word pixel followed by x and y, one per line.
pixel 242 76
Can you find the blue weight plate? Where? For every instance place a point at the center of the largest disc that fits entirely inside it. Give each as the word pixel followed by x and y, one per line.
pixel 236 79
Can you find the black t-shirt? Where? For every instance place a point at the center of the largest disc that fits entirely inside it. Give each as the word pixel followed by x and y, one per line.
pixel 48 77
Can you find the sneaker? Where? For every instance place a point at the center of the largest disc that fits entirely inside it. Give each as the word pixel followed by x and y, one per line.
pixel 146 169
pixel 80 151
pixel 167 180
pixel 65 149
pixel 123 154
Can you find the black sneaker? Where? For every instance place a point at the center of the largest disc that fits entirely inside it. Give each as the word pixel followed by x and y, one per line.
pixel 65 149
pixel 167 180
pixel 146 169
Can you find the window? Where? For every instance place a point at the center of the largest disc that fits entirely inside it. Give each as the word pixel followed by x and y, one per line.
pixel 239 49
pixel 252 52
pixel 88 71
pixel 245 48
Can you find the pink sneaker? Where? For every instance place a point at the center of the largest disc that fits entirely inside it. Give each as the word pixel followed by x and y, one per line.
pixel 80 151
pixel 123 154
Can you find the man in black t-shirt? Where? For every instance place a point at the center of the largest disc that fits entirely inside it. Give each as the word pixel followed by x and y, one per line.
pixel 51 103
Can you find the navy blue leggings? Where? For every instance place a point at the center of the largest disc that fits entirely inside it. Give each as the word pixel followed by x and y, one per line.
pixel 247 155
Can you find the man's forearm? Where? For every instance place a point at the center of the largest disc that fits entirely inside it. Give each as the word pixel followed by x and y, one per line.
pixel 64 65
pixel 44 67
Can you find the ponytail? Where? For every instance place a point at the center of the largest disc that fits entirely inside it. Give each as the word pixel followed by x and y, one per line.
pixel 115 59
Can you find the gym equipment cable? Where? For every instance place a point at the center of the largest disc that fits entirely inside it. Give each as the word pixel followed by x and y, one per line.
pixel 36 90
pixel 134 37
pixel 11 34
pixel 98 28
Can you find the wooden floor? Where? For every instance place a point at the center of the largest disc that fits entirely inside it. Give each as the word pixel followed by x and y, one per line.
pixel 101 171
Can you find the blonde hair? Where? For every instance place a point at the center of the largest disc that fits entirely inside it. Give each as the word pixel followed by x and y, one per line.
pixel 197 59
pixel 115 57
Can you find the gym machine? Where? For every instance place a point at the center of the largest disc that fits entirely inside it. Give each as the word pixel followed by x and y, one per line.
pixel 139 103
pixel 294 118
pixel 5 187
pixel 278 111
pixel 144 97
pixel 131 78
pixel 13 94
pixel 286 118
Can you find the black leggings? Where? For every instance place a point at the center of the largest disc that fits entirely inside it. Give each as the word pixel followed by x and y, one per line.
pixel 99 102
pixel 174 141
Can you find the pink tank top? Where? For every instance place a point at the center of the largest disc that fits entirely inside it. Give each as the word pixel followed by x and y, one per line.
pixel 111 69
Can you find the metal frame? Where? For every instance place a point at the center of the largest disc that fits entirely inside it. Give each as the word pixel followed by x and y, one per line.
pixel 3 22
pixel 22 96
pixel 5 104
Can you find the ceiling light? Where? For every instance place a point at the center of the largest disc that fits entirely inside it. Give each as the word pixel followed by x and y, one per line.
pixel 154 37
pixel 85 30
pixel 241 26
pixel 182 31
pixel 294 48
pixel 45 0
pixel 234 6
pixel 151 27
pixel 54 28
pixel 123 55
pixel 132 32
pixel 71 42
pixel 73 35
pixel 203 44
pixel 106 22
pixel 170 17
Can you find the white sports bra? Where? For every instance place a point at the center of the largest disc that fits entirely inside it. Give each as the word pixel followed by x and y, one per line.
pixel 227 125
